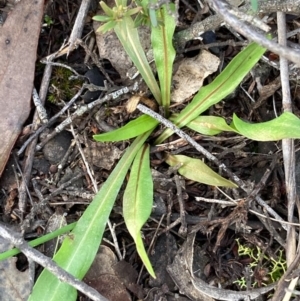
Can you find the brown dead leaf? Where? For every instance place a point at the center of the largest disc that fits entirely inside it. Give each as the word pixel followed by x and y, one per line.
pixel 128 276
pixel 10 201
pixel 191 72
pixel 18 43
pixel 101 276
pixel 267 91
pixel 14 284
pixel 102 154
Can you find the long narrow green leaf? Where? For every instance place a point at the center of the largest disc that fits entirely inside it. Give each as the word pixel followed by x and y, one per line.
pixel 132 129
pixel 287 125
pixel 80 247
pixel 209 125
pixel 107 10
pixel 223 85
pixel 196 170
pixel 138 200
pixel 129 38
pixel 164 52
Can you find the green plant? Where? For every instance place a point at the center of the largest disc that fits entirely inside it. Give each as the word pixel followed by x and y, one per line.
pixel 77 254
pixel 275 267
pixel 254 5
pixel 48 21
pixel 61 87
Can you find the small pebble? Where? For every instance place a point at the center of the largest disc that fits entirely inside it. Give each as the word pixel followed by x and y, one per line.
pixel 53 168
pixel 55 149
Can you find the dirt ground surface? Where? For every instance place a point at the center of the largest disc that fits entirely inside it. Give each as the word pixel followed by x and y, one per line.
pixel 229 240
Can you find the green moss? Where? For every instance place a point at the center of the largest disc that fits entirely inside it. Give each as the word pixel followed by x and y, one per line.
pixel 61 88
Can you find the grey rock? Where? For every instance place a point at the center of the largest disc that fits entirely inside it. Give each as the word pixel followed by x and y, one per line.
pixel 55 149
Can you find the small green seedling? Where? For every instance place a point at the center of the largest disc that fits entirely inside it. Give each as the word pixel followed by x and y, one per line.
pixel 275 267
pixel 48 21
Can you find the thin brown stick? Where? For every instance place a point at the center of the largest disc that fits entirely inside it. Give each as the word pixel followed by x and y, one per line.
pixel 288 153
pixel 288 150
pixel 247 31
pixel 79 23
pixel 31 149
pixel 183 228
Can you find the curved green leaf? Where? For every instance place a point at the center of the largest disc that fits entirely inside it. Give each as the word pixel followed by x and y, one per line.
pixel 209 125
pixel 102 18
pixel 196 170
pixel 132 129
pixel 287 125
pixel 143 254
pixel 80 247
pixel 223 85
pixel 107 26
pixel 138 200
pixel 129 38
pixel 164 52
pixel 107 10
